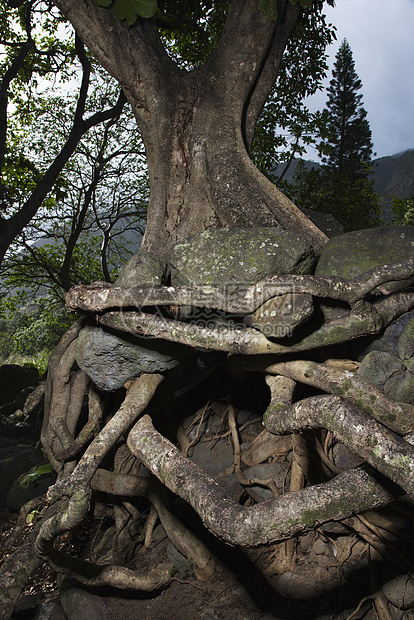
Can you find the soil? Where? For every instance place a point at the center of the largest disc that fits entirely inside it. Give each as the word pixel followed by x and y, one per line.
pixel 331 573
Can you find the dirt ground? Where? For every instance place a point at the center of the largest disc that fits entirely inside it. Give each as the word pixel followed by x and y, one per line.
pixel 331 574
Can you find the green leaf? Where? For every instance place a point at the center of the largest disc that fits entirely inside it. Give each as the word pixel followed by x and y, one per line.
pixel 103 3
pixel 131 9
pixel 40 470
pixel 268 8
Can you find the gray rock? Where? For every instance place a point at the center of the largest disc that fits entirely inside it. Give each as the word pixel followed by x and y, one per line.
pixel 357 252
pixel 238 255
pixel 400 387
pixel 110 361
pixel 400 591
pixel 406 345
pixel 203 423
pixel 322 547
pixel 379 366
pixel 14 378
pixel 212 457
pixel 79 604
pixel 232 486
pixel 389 341
pixel 142 269
pixel 278 316
pixel 278 471
pixel 344 458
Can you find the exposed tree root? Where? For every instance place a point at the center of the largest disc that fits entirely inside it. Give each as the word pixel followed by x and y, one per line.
pixel 77 488
pixel 350 493
pixel 399 417
pixel 99 447
pixel 185 541
pixel 384 450
pixel 361 321
pixel 99 296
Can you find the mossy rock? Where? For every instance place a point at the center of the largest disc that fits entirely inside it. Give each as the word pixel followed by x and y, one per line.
pixel 239 256
pixel 142 269
pixel 357 252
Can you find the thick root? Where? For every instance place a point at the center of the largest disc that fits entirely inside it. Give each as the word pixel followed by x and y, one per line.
pixel 273 521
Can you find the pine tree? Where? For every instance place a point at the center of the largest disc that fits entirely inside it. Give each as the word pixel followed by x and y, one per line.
pixel 347 175
pixel 344 186
pixel 350 134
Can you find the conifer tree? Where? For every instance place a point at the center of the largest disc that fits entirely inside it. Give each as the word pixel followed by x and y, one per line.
pixel 344 186
pixel 350 140
pixel 347 176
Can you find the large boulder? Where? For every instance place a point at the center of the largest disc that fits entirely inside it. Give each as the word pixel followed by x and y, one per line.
pixel 389 341
pixel 357 252
pixel 110 361
pixel 239 255
pixel 237 258
pixel 393 371
pixel 142 269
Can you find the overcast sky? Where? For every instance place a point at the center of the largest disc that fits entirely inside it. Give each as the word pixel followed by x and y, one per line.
pixel 381 36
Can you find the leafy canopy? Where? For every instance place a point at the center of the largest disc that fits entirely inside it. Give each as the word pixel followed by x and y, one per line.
pixel 131 10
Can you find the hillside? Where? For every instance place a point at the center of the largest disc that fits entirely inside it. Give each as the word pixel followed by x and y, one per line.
pixel 393 176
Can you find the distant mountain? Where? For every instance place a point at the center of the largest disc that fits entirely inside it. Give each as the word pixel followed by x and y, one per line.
pixel 393 176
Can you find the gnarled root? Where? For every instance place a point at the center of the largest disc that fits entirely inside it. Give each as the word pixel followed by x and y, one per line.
pixel 275 520
pixel 373 442
pixel 77 489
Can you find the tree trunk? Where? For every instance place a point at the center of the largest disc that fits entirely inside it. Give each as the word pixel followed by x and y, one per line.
pixel 197 125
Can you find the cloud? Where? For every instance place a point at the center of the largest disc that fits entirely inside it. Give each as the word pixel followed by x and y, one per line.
pixel 380 33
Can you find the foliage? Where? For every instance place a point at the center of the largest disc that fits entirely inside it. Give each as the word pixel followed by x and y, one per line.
pixel 403 211
pixel 42 121
pixel 29 331
pixel 355 205
pixel 33 54
pixel 38 268
pixel 100 192
pixel 131 10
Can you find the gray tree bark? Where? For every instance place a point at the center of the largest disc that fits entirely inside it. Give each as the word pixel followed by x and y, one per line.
pixel 198 125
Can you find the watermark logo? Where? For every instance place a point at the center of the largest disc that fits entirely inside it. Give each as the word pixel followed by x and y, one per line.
pixel 223 312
